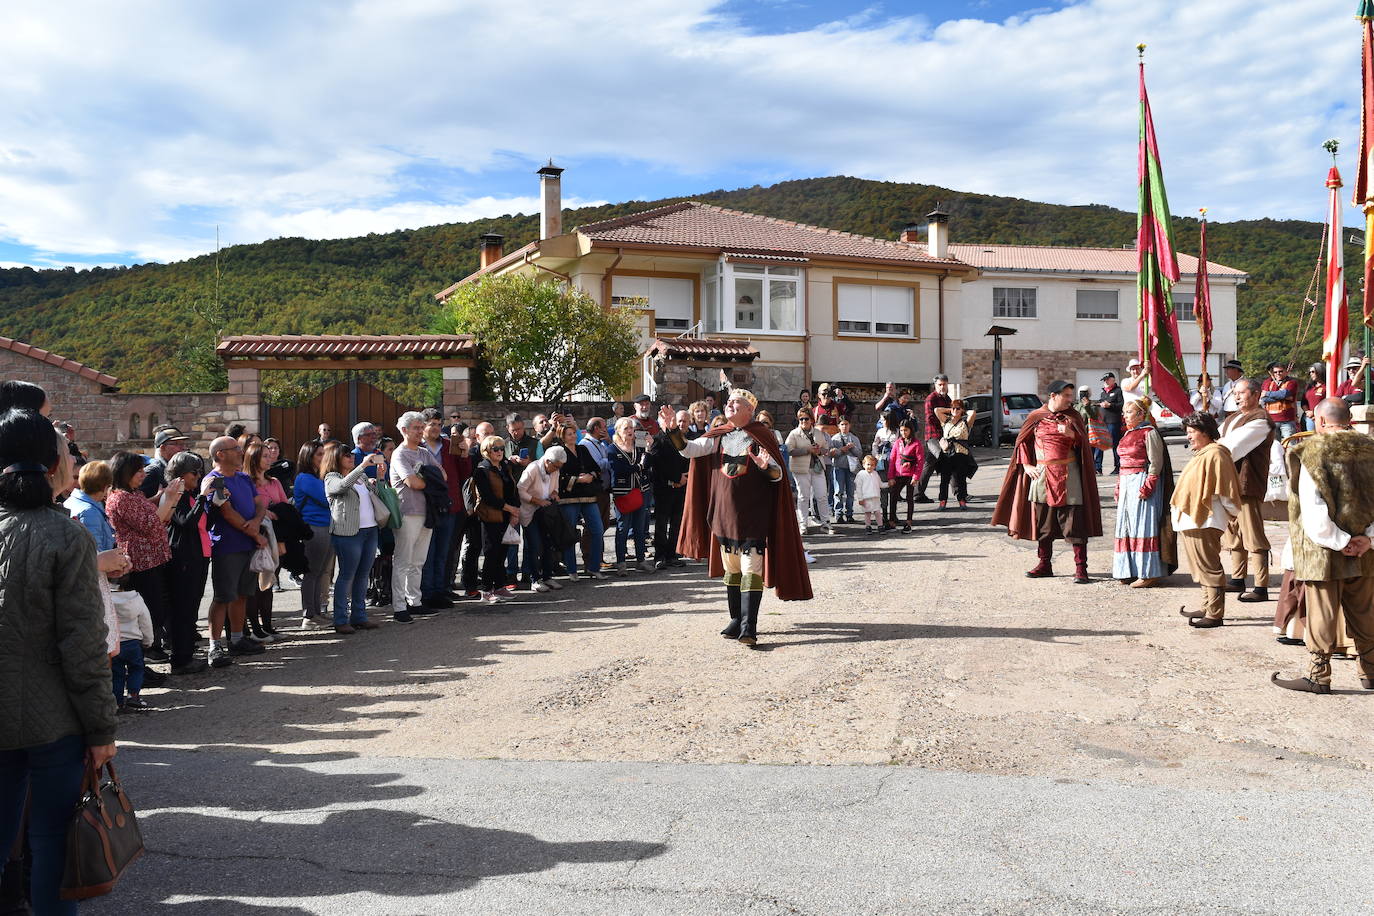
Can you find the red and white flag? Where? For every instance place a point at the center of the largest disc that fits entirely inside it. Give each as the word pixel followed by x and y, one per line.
pixel 1336 324
pixel 1202 295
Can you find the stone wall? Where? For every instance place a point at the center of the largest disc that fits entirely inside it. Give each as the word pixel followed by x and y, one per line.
pixel 1050 365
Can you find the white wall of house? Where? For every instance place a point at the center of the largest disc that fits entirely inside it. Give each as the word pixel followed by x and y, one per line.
pixel 1059 303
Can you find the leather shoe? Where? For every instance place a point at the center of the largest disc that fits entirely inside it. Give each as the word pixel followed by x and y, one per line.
pixel 1235 585
pixel 1367 683
pixel 1303 684
pixel 1204 623
pixel 1259 594
pixel 346 630
pixel 1184 612
pixel 366 625
pixel 1289 641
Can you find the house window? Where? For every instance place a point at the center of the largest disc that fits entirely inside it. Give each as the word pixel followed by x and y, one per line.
pixel 875 311
pixel 1013 302
pixel 1183 307
pixel 670 299
pixel 749 297
pixel 1097 304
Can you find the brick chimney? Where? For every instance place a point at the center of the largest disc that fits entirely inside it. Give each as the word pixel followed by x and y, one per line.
pixel 551 193
pixel 492 249
pixel 912 233
pixel 937 236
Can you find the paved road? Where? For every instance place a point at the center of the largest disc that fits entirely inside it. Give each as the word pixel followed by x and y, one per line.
pixel 324 834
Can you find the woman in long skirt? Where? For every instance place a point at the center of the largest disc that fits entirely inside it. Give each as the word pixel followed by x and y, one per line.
pixel 1145 546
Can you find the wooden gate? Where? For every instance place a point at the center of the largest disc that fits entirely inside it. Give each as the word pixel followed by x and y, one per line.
pixel 341 406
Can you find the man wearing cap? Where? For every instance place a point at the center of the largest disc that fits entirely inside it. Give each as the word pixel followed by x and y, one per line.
pixel 1353 385
pixel 937 399
pixel 646 427
pixel 1279 396
pixel 1047 493
pixel 739 513
pixel 1233 372
pixel 1111 403
pixel 1247 435
pixel 168 442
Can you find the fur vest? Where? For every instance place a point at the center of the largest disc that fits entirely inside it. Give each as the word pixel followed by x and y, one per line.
pixel 1342 466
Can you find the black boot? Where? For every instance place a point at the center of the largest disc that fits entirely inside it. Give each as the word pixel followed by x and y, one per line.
pixel 732 600
pixel 748 631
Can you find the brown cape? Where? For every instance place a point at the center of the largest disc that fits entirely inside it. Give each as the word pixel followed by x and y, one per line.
pixel 1013 509
pixel 1211 472
pixel 784 560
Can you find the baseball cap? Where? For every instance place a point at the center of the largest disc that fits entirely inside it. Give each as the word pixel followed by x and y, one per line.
pixel 1058 386
pixel 1105 377
pixel 169 434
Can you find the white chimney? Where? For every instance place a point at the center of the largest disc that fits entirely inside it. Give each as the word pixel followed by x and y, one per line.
pixel 551 193
pixel 937 235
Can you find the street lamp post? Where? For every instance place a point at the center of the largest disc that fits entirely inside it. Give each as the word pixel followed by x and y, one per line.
pixel 996 332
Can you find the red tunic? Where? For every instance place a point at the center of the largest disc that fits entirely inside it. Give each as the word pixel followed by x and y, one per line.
pixel 1056 440
pixel 1131 449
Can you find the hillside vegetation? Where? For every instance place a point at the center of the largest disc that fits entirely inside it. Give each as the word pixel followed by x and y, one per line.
pixel 151 325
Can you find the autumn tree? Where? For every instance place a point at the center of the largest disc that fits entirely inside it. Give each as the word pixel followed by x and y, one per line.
pixel 540 340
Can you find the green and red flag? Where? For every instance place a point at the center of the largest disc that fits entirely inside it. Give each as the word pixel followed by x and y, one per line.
pixel 1157 271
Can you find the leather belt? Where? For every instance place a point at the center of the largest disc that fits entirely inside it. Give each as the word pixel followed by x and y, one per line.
pixel 1058 461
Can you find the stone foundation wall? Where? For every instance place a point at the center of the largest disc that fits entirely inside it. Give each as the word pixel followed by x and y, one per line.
pixel 1050 365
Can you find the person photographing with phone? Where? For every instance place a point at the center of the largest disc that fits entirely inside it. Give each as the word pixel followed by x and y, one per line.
pixel 739 513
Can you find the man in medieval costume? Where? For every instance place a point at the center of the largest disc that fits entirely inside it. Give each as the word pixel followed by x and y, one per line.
pixel 1247 434
pixel 1049 492
pixel 1205 501
pixel 739 513
pixel 1330 523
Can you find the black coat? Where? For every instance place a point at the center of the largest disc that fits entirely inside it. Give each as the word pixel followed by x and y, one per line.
pixel 437 501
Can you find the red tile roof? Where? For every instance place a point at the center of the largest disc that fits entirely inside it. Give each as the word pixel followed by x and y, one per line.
pixel 703 348
pixel 1038 259
pixel 703 226
pixel 347 346
pixel 61 362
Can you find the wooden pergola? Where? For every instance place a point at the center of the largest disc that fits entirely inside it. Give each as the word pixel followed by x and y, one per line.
pixel 247 356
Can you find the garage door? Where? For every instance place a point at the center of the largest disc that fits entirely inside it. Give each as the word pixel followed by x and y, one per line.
pixel 1020 381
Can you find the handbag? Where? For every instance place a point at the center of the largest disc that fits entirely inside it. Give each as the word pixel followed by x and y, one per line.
pixel 629 502
pixel 379 509
pixel 103 838
pixel 556 527
pixel 1098 437
pixel 393 503
pixel 512 536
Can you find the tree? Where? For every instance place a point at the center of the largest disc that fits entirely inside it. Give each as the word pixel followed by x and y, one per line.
pixel 540 340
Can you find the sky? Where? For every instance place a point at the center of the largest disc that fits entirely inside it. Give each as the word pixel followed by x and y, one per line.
pixel 132 132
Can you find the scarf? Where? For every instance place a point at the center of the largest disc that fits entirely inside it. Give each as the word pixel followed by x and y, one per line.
pixel 1210 473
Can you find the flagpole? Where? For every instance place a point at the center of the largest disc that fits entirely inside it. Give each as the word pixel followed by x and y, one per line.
pixel 1364 178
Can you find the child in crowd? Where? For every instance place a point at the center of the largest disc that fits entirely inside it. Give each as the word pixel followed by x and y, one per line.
pixel 135 632
pixel 868 494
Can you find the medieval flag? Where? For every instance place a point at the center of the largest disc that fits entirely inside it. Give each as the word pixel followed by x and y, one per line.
pixel 1157 271
pixel 1202 293
pixel 1336 323
pixel 1364 174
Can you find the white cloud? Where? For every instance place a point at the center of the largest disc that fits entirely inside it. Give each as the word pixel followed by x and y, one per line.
pixel 140 127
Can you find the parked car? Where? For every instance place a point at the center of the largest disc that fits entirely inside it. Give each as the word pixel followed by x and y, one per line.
pixel 1015 409
pixel 1166 421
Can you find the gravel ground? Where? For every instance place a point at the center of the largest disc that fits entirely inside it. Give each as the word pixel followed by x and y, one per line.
pixel 929 649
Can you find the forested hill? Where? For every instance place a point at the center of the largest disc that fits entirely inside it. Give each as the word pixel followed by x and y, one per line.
pixel 150 325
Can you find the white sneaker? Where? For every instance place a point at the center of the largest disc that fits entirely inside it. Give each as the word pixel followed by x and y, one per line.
pixel 492 598
pixel 540 587
pixel 553 584
pixel 809 558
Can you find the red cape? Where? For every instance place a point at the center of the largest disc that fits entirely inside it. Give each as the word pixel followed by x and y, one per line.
pixel 784 560
pixel 1013 510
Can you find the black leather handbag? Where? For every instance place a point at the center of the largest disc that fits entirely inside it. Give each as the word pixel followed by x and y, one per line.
pixel 103 839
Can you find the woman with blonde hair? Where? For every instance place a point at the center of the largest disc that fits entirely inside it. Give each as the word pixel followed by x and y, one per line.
pixel 629 485
pixel 1146 550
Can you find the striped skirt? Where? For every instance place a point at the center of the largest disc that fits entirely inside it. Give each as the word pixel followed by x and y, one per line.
pixel 1137 531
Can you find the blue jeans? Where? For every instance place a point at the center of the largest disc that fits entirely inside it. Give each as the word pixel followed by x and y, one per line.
pixel 433 573
pixel 353 560
pixel 50 775
pixel 1287 428
pixel 844 488
pixel 591 518
pixel 126 668
pixel 637 522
